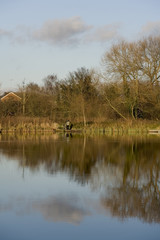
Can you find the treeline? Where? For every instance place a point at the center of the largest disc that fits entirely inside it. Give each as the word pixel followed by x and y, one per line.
pixel 126 87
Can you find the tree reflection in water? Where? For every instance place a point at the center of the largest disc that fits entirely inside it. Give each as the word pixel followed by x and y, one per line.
pixel 125 169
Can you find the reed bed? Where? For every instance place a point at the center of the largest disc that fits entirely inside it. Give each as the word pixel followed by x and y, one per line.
pixel 123 127
pixel 27 125
pixel 41 125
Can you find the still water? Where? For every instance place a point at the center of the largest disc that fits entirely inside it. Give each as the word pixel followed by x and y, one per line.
pixel 79 187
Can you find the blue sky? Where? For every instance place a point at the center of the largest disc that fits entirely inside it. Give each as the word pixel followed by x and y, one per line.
pixel 43 37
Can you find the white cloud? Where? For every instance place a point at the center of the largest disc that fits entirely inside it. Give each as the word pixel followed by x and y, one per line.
pixel 4 33
pixel 61 210
pixel 103 34
pixel 54 209
pixel 151 28
pixel 65 31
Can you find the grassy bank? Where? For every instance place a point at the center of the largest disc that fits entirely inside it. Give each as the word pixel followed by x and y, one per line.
pixel 25 124
pixel 119 126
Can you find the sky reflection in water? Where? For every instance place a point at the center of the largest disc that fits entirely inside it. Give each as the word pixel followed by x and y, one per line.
pixel 53 187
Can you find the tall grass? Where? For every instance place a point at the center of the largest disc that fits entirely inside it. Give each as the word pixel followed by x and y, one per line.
pixel 119 126
pixel 26 124
pixel 34 125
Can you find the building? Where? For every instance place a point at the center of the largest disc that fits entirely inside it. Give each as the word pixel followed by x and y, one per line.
pixel 11 96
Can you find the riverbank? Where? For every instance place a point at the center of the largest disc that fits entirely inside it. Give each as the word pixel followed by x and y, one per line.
pixel 25 124
pixel 127 127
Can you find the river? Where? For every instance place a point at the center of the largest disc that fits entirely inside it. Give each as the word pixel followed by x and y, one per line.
pixel 79 187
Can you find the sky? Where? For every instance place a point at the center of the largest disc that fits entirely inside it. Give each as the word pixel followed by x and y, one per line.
pixel 43 37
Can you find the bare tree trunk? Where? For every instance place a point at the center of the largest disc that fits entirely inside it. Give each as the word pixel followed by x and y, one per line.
pixel 23 98
pixel 83 111
pixel 120 114
pixel 84 118
pixel 24 102
pixel 132 113
pixel 136 97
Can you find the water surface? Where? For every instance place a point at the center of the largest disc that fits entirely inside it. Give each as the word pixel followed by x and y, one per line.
pixel 79 187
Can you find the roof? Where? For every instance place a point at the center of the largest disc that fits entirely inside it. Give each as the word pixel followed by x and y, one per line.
pixel 11 94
